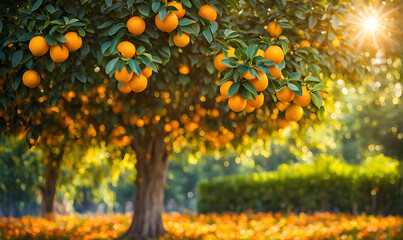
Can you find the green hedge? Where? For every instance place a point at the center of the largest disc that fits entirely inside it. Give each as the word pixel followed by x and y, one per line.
pixel 326 184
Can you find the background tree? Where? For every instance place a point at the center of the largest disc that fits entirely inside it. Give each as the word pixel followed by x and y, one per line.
pixel 179 104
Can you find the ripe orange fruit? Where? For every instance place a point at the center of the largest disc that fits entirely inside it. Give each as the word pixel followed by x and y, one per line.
pixel 38 46
pixel 147 72
pixel 224 88
pixel 218 64
pixel 294 113
pixel 335 43
pixel 303 100
pixel 174 124
pixel 304 43
pixel 274 72
pixel 181 41
pixel 183 69
pixel 215 113
pixel 258 102
pixel 127 49
pixel 169 24
pixel 274 29
pixel 248 108
pixel 248 75
pixel 31 78
pixel 181 11
pixel 282 38
pixel 275 54
pixel 167 127
pixel 260 52
pixel 123 76
pixel 136 25
pixel 125 88
pixel 74 42
pixel 59 54
pixel 261 84
pixel 207 11
pixel 138 84
pixel 237 103
pixel 323 94
pixel 285 95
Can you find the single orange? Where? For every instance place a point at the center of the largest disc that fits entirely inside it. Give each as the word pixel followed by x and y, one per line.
pixel 125 88
pixel 31 78
pixel 74 42
pixel 127 49
pixel 285 95
pixel 237 103
pixel 274 72
pixel 59 54
pixel 335 43
pixel 274 29
pixel 136 25
pixel 248 108
pixel 258 102
pixel 147 72
pixel 303 100
pixel 294 113
pixel 38 46
pixel 305 43
pixel 262 83
pixel 207 11
pixel 224 88
pixel 169 24
pixel 123 76
pixel 181 41
pixel 275 54
pixel 181 11
pixel 183 69
pixel 138 84
pixel 218 64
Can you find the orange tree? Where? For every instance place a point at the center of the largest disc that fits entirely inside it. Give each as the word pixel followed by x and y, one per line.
pixel 167 72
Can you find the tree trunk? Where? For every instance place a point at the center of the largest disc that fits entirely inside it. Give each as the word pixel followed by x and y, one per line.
pixel 49 189
pixel 151 167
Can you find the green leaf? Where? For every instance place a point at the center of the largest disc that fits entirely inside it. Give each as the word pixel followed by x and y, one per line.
pixel 314 68
pixel 134 65
pixel 233 89
pixel 226 77
pixel 81 77
pixel 115 29
pixel 16 58
pixel 156 5
pixel 312 79
pixel 1 26
pixel 317 99
pixel 50 40
pixel 105 25
pixel 25 37
pixel 230 62
pixel 293 87
pixel 108 3
pixel 335 21
pixel 295 76
pixel 249 86
pixel 252 50
pixel 147 60
pixel 318 87
pixel 300 14
pixel 312 21
pixel 185 21
pixel 284 46
pixel 36 5
pixel 245 94
pixel 144 9
pixel 163 13
pixel 111 65
pixel 130 3
pixel 207 35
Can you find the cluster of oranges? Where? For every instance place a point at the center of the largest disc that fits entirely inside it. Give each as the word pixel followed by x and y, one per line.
pixel 210 226
pixel 136 26
pixel 274 53
pixel 39 47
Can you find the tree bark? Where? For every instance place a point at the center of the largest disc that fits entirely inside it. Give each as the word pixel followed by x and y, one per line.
pixel 151 167
pixel 49 189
